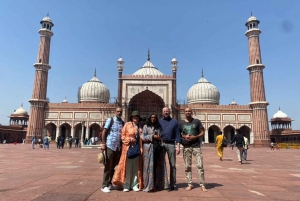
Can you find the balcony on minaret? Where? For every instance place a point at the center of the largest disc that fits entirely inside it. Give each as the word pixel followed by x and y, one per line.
pixel 47 23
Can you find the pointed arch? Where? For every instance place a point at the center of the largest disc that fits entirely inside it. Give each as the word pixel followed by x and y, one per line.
pixel 212 133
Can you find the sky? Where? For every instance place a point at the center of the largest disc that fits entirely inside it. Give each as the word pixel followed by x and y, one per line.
pixel 208 35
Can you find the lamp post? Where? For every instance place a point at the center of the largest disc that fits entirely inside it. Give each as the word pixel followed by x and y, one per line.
pixel 82 132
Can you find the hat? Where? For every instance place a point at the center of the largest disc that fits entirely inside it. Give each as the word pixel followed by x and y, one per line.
pixel 135 113
pixel 102 157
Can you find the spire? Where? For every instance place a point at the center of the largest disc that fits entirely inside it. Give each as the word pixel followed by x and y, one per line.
pixel 48 14
pixel 251 13
pixel 202 74
pixel 148 55
pixel 279 107
pixel 22 105
pixel 95 73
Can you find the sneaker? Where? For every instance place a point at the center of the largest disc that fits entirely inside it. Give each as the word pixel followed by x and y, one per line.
pixel 126 190
pixel 136 189
pixel 105 190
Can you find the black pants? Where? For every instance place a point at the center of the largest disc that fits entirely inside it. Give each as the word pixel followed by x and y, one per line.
pixel 70 145
pixel 112 160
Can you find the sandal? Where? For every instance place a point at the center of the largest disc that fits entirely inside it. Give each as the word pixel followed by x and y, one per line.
pixel 189 188
pixel 203 188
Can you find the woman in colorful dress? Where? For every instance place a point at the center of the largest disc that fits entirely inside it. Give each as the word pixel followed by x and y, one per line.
pixel 129 171
pixel 154 169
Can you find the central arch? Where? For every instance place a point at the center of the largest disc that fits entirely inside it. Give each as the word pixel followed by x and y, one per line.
pixel 146 103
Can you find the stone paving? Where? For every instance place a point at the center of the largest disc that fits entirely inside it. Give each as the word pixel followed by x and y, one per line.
pixel 74 174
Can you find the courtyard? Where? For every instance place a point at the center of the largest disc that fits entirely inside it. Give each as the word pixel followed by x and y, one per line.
pixel 74 174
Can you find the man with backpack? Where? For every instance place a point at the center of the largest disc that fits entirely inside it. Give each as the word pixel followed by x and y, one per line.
pixel 111 145
pixel 238 138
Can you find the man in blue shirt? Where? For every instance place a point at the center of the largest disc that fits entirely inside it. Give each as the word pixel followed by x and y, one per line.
pixel 111 144
pixel 170 136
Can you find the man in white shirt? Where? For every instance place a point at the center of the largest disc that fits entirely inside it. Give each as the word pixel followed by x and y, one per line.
pixel 246 147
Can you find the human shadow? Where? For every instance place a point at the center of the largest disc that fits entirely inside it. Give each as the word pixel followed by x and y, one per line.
pixel 212 185
pixel 227 159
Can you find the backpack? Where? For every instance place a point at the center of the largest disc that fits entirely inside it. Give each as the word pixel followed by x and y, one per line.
pixel 224 142
pixel 70 140
pixel 111 123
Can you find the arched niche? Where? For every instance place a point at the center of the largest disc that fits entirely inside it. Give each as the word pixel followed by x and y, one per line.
pixel 146 103
pixel 51 130
pixel 212 133
pixel 246 131
pixel 65 130
pixel 229 132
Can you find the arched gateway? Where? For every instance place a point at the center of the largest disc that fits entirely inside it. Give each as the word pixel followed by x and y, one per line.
pixel 146 103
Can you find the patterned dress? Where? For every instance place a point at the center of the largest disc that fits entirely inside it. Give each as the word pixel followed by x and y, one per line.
pixel 153 170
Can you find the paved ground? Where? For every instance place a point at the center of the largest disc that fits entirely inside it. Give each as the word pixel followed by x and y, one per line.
pixel 74 174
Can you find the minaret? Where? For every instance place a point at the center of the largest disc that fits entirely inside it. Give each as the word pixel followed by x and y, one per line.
pixel 39 94
pixel 120 71
pixel 258 103
pixel 174 68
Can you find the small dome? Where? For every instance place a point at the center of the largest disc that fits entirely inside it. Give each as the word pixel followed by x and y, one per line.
pixel 65 101
pixel 120 59
pixel 93 91
pixel 203 92
pixel 174 59
pixel 47 19
pixel 233 102
pixel 280 114
pixel 252 18
pixel 148 69
pixel 21 110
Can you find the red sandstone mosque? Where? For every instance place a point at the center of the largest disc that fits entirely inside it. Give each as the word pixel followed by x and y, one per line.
pixel 148 90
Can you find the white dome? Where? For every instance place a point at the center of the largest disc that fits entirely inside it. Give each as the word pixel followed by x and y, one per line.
pixel 65 101
pixel 203 92
pixel 21 110
pixel 148 69
pixel 174 59
pixel 47 19
pixel 120 59
pixel 233 102
pixel 93 91
pixel 252 18
pixel 280 114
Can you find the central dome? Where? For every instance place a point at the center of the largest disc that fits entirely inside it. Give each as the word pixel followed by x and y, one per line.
pixel 93 91
pixel 203 92
pixel 148 69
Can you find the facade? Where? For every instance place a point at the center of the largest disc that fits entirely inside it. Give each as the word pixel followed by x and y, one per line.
pixel 148 90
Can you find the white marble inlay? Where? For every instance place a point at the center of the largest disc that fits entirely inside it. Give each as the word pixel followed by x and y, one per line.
pixel 256 192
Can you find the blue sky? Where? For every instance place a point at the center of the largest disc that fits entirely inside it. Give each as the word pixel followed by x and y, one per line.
pixel 200 34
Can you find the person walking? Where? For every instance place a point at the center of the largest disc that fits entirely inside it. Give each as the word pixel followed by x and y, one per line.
pixel 272 145
pixel 33 140
pixel 238 138
pixel 170 136
pixel 111 145
pixel 219 147
pixel 129 170
pixel 57 142
pixel 70 142
pixel 246 147
pixel 76 142
pixel 46 142
pixel 154 168
pixel 192 131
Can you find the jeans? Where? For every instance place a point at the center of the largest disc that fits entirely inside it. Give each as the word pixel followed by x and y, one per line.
pixel 245 154
pixel 170 149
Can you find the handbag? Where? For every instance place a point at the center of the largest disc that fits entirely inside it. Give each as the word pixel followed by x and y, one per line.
pixel 224 142
pixel 134 149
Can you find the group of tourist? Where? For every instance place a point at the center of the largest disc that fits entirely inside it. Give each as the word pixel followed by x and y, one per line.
pixel 61 142
pixel 239 139
pixel 135 155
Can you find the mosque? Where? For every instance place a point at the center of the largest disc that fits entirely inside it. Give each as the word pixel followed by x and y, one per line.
pixel 147 90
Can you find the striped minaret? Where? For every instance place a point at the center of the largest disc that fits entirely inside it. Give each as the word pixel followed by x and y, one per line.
pixel 258 103
pixel 39 94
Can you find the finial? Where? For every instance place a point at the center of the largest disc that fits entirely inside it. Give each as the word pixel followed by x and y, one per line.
pixel 48 14
pixel 251 13
pixel 95 73
pixel 22 105
pixel 279 107
pixel 148 55
pixel 202 74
